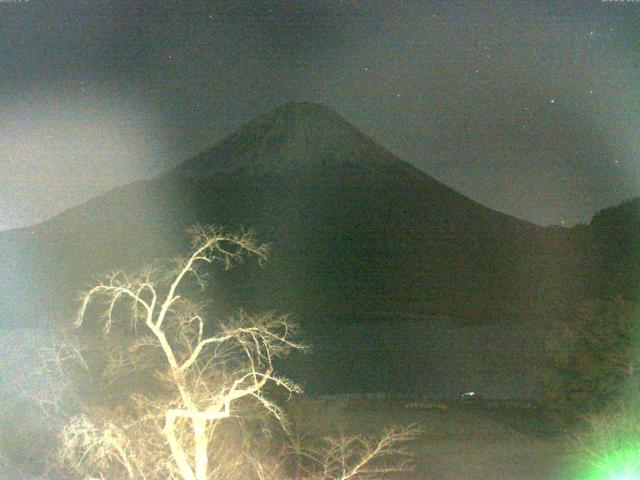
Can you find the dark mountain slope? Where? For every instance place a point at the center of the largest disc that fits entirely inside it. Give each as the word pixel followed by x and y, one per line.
pixel 615 235
pixel 356 233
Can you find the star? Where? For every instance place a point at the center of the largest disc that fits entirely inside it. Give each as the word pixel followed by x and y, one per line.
pixel 553 100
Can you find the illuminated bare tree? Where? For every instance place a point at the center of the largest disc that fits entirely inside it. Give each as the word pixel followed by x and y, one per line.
pixel 357 457
pixel 202 370
pixel 190 383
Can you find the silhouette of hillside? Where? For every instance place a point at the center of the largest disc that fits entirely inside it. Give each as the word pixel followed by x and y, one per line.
pixel 356 232
pixel 616 239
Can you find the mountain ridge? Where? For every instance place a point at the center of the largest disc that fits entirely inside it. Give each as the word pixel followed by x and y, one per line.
pixel 355 229
pixel 368 254
pixel 323 138
pixel 280 139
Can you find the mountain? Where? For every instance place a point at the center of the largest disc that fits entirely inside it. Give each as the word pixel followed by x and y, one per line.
pixel 356 233
pixel 400 283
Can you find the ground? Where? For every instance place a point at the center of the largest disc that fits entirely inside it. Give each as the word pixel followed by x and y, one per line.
pixel 461 441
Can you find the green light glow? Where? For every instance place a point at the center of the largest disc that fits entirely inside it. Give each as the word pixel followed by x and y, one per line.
pixel 619 465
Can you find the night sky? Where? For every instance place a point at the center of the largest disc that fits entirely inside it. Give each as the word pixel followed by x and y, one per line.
pixel 531 108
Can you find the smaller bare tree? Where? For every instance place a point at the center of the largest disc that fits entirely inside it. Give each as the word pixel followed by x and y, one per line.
pixel 355 456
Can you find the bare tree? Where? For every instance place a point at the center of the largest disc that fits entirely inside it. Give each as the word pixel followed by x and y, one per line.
pixel 191 382
pixel 204 375
pixel 357 457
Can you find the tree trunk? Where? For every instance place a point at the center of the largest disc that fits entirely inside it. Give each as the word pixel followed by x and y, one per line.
pixel 201 450
pixel 176 450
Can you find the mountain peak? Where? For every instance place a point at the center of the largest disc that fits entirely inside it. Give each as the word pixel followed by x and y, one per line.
pixel 304 108
pixel 295 116
pixel 297 137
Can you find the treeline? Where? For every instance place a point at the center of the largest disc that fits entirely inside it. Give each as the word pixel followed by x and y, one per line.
pixel 593 347
pixel 592 381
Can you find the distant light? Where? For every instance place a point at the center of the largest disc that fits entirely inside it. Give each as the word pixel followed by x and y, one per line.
pixel 619 465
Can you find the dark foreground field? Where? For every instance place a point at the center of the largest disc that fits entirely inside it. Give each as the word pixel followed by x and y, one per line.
pixel 461 441
pixel 496 441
